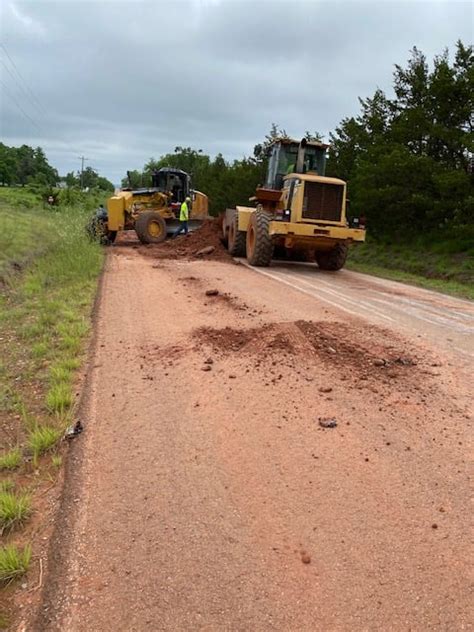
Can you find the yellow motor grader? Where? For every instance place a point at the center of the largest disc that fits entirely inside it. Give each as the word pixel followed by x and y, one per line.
pixel 153 212
pixel 299 213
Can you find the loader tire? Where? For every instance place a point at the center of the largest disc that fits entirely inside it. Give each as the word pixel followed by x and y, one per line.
pixel 224 235
pixel 98 231
pixel 235 238
pixel 150 228
pixel 332 259
pixel 259 241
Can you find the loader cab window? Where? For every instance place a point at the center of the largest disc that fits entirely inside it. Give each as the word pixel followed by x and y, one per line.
pixel 315 160
pixel 282 158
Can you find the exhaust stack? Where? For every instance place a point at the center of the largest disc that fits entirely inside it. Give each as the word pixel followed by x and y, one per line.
pixel 300 156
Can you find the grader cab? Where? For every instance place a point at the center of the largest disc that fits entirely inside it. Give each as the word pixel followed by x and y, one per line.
pixel 153 212
pixel 299 212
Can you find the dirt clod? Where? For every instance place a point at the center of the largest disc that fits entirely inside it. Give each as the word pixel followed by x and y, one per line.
pixel 206 367
pixel 204 251
pixel 327 422
pixel 212 292
pixel 305 557
pixel 325 389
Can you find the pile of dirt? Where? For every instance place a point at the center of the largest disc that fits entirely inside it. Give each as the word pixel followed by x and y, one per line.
pixel 208 236
pixel 362 352
pixel 355 347
pixel 227 339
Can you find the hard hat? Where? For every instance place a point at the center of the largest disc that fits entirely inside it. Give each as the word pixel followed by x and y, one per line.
pixel 188 199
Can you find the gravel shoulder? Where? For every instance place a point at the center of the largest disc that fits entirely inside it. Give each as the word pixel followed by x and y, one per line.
pixel 206 494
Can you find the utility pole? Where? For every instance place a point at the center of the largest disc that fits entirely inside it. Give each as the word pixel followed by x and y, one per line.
pixel 82 159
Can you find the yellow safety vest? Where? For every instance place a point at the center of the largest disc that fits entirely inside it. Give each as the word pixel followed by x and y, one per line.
pixel 184 213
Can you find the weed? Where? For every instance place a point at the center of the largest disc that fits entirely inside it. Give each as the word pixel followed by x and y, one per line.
pixel 14 509
pixel 57 460
pixel 11 460
pixel 6 485
pixel 59 398
pixel 42 439
pixel 69 364
pixel 4 621
pixel 60 373
pixel 39 350
pixel 13 562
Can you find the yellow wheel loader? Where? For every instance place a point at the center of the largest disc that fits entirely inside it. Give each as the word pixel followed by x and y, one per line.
pixel 154 212
pixel 299 213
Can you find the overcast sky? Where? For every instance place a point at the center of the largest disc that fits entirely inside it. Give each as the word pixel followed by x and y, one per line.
pixel 120 82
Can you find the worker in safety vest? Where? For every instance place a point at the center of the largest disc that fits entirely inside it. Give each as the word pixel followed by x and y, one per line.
pixel 183 218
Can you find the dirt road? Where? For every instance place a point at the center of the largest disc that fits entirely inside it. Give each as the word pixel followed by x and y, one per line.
pixel 206 492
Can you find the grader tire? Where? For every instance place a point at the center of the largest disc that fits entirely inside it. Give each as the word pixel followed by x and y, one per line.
pixel 235 238
pixel 259 241
pixel 150 228
pixel 111 236
pixel 332 259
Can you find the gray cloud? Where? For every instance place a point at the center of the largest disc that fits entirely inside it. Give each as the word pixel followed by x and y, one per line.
pixel 123 81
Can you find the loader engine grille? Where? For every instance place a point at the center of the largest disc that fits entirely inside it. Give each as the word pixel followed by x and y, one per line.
pixel 322 201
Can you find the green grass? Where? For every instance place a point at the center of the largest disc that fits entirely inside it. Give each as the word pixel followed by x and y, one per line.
pixel 442 263
pixel 56 460
pixel 13 562
pixel 49 269
pixel 42 439
pixel 59 398
pixel 6 485
pixel 4 621
pixel 11 459
pixel 48 280
pixel 17 248
pixel 14 510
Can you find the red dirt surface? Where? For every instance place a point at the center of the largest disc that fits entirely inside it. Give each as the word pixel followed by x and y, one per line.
pixel 291 485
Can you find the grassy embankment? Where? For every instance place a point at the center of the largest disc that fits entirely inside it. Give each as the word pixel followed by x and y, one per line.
pixel 48 280
pixel 444 263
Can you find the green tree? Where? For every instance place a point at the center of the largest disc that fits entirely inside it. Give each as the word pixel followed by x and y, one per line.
pixel 408 160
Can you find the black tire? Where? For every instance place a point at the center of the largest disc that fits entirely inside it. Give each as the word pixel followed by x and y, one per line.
pixel 150 228
pixel 224 237
pixel 235 237
pixel 98 231
pixel 332 259
pixel 259 241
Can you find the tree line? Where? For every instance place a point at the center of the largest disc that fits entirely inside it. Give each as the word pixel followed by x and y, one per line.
pixel 25 165
pixel 408 158
pixel 21 166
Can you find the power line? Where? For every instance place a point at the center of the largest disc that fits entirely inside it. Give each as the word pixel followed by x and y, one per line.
pixel 21 87
pixel 22 79
pixel 19 106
